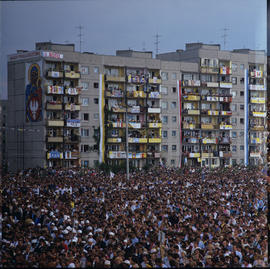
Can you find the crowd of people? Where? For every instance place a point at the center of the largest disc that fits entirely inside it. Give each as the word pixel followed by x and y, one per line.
pixel 165 218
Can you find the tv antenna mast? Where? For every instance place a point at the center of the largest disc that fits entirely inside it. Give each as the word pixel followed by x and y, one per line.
pixel 80 36
pixel 157 36
pixel 224 36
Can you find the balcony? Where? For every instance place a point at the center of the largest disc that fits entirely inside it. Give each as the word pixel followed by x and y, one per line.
pixel 72 107
pixel 114 140
pixel 71 155
pixel 55 139
pixel 226 85
pixel 213 112
pixel 225 154
pixel 194 155
pixel 54 106
pixel 122 155
pixel 207 126
pixel 224 140
pixel 256 74
pixel 258 114
pixel 137 94
pixel 225 113
pixel 154 140
pixel 225 70
pixel 212 84
pixel 190 126
pixel 192 140
pixel 54 155
pixel 255 140
pixel 72 74
pixel 72 139
pixel 115 78
pixel 193 112
pixel 135 125
pixel 73 91
pixel 154 80
pixel 118 124
pixel 55 90
pixel 207 155
pixel 257 100
pixel 118 109
pixel 209 70
pixel 136 79
pixel 191 97
pixel 114 93
pixel 225 99
pixel 210 98
pixel 154 95
pixel 137 140
pixel 154 110
pixel 55 123
pixel 257 87
pixel 54 74
pixel 254 154
pixel 73 123
pixel 155 125
pixel 209 140
pixel 134 109
pixel 191 83
pixel 257 127
pixel 225 127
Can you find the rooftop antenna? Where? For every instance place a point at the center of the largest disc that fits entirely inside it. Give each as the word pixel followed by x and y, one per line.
pixel 224 36
pixel 157 36
pixel 80 36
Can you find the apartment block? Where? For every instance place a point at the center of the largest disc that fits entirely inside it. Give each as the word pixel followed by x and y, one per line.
pixel 193 107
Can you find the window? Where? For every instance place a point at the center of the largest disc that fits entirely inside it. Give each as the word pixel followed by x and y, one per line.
pixel 173 147
pixel 234 107
pixel 84 163
pixel 234 148
pixel 85 148
pixel 241 93
pixel 85 101
pixel 234 134
pixel 234 80
pixel 96 116
pixel 85 70
pixel 85 86
pixel 241 134
pixel 174 119
pixel 164 148
pixel 96 85
pixel 242 81
pixel 95 163
pixel 242 120
pixel 242 66
pixel 96 69
pixel 85 116
pixel 164 75
pixel 84 132
pixel 164 105
pixel 172 162
pixel 234 93
pixel 164 134
pixel 173 89
pixel 242 107
pixel 95 100
pixel 173 133
pixel 174 76
pixel 173 105
pixel 234 162
pixel 234 67
pixel 164 90
pixel 165 119
pixel 241 147
pixel 233 121
pixel 242 161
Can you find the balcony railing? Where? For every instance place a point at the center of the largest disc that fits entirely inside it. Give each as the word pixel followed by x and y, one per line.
pixel 155 125
pixel 211 98
pixel 55 139
pixel 207 126
pixel 154 80
pixel 54 106
pixel 212 84
pixel 154 140
pixel 154 110
pixel 224 140
pixel 122 155
pixel 227 85
pixel 257 127
pixel 73 91
pixel 69 155
pixel 191 97
pixel 191 126
pixel 257 87
pixel 255 154
pixel 210 70
pixel 225 113
pixel 72 139
pixel 54 74
pixel 192 140
pixel 55 155
pixel 115 78
pixel 135 125
pixel 256 74
pixel 225 127
pixel 207 155
pixel 225 70
pixel 255 140
pixel 114 140
pixel 72 107
pixel 257 114
pixel 72 74
pixel 137 140
pixel 118 109
pixel 55 90
pixel 191 83
pixel 73 123
pixel 257 100
pixel 136 94
pixel 225 154
pixel 209 140
pixel 194 154
pixel 115 93
pixel 55 123
pixel 154 95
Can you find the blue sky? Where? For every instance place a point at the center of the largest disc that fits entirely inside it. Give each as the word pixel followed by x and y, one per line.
pixel 109 25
